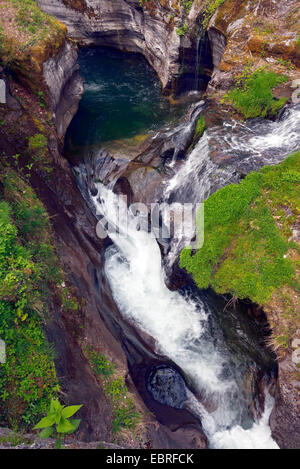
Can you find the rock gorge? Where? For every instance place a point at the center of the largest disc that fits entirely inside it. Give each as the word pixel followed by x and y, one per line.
pixel 236 32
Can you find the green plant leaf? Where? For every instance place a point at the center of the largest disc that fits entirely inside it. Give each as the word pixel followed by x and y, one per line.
pixel 55 406
pixel 64 426
pixel 46 433
pixel 45 422
pixel 71 410
pixel 75 423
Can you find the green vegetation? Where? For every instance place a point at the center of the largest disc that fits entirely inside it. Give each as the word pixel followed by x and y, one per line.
pixel 200 127
pixel 37 144
pixel 182 30
pixel 29 19
pixel 28 37
pixel 57 422
pixel 199 130
pixel 15 439
pixel 247 251
pixel 252 95
pixel 38 155
pixel 209 10
pixel 286 63
pixel 29 271
pixel 185 7
pixel 41 99
pixel 28 378
pixel 125 414
pixel 298 41
pixel 100 363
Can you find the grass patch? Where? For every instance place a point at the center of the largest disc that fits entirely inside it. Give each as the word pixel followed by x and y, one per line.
pixel 125 414
pixel 28 37
pixel 247 230
pixel 252 96
pixel 100 363
pixel 27 21
pixel 38 145
pixel 115 389
pixel 15 439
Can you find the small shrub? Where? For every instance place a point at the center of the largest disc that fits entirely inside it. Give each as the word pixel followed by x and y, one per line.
pixel 57 422
pixel 41 99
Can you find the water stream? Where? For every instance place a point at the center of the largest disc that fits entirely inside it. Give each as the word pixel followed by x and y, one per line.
pixel 183 325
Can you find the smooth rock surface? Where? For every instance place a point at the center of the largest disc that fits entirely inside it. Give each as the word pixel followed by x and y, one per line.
pixel 125 25
pixel 64 84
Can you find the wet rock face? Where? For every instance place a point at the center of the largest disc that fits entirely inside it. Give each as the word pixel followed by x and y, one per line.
pixel 64 84
pixel 260 32
pixel 167 387
pixel 285 417
pixel 124 25
pixel 196 63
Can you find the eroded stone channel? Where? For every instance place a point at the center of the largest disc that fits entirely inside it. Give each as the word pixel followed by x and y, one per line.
pixel 169 337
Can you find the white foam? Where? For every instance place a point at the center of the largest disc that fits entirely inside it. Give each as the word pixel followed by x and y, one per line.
pixel 179 327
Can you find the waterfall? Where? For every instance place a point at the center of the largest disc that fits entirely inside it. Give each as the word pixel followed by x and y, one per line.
pixel 199 47
pixel 250 146
pixel 181 325
pixel 181 330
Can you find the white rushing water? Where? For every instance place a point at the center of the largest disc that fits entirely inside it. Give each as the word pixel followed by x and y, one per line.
pixel 180 325
pixel 248 146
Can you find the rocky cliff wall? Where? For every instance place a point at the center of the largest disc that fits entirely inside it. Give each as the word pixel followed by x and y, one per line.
pixel 125 25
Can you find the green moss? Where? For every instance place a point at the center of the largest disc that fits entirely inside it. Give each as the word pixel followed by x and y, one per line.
pixel 29 37
pixel 200 127
pixel 199 130
pixel 182 30
pixel 252 96
pixel 245 252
